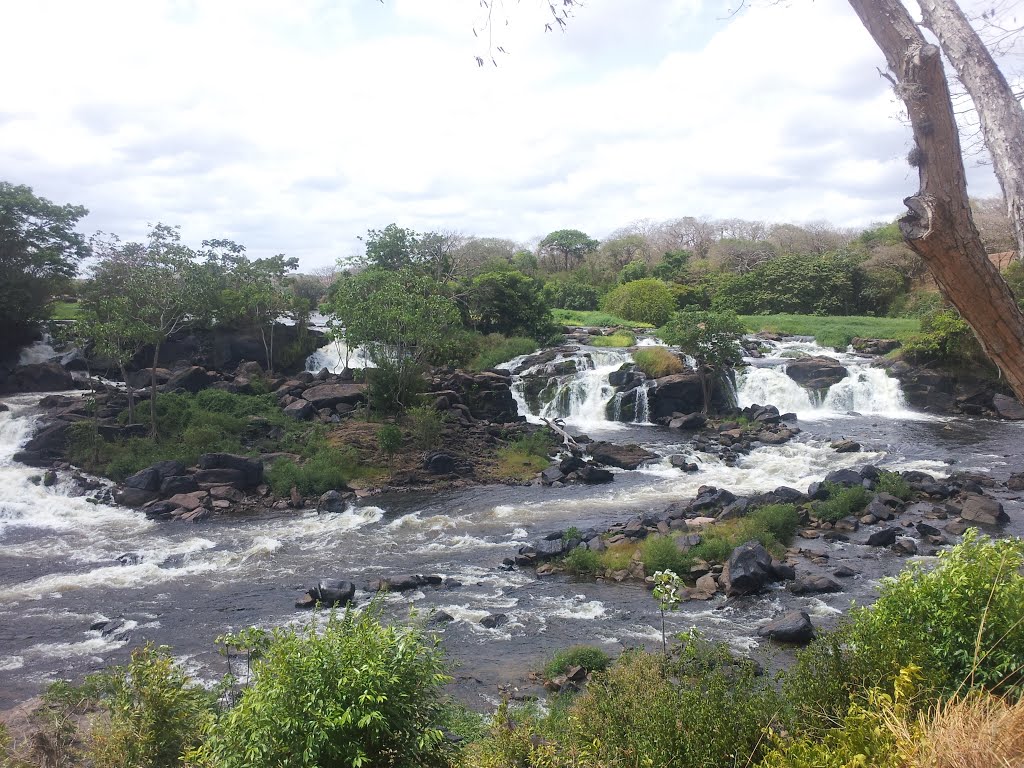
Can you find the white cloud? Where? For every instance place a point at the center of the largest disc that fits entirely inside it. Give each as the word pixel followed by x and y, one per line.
pixel 295 127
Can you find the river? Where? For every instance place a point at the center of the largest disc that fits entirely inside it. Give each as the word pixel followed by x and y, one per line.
pixel 185 584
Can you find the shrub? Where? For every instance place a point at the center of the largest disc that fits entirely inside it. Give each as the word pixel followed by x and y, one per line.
pixel 617 339
pixel 525 456
pixel 393 386
pixel 328 469
pixel 841 502
pixel 617 557
pixel 426 423
pixel 349 692
pixel 660 553
pixel 946 338
pixel 571 295
pixel 771 525
pixel 157 713
pixel 589 657
pixel 648 300
pixel 389 440
pixel 657 362
pixel 496 349
pixel 893 484
pixel 582 562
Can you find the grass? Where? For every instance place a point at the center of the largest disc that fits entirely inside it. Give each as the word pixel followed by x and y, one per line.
pixel 835 331
pixel 893 484
pixel 592 318
pixel 657 362
pixel 65 310
pixel 587 656
pixel 842 502
pixel 496 349
pixel 617 339
pixel 525 456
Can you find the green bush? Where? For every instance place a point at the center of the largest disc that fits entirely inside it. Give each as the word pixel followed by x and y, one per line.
pixel 648 300
pixel 593 319
pixel 893 484
pixel 426 424
pixel 589 657
pixel 328 469
pixel 657 361
pixel 348 692
pixel 841 502
pixel 571 295
pixel 772 524
pixel 392 387
pixel 946 339
pixel 582 562
pixel 157 714
pixel 660 553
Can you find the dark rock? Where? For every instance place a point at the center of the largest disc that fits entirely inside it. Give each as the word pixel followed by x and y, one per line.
pixel 983 510
pixel 440 463
pixel 786 495
pixel 682 393
pixel 39 377
pixel 571 464
pixel 233 477
pixel 845 446
pixel 439 618
pixel 333 502
pixel 711 498
pixel 130 558
pixel 552 475
pixel 750 569
pixel 883 537
pixel 846 477
pixel 592 475
pixel 300 410
pixel 816 372
pixel 844 572
pixel 51 440
pixel 814 584
pixel 1008 407
pixel 329 395
pixel 329 594
pixel 133 497
pixel 783 571
pixel 621 456
pixel 1016 482
pixel 169 468
pixel 905 546
pixel 191 379
pixel 792 627
pixel 175 485
pixel 927 530
pixel 161 510
pixel 144 480
pixel 494 621
pixel 252 469
pixel 690 421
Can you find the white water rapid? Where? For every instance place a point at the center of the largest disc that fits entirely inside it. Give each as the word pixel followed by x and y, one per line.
pixel 866 390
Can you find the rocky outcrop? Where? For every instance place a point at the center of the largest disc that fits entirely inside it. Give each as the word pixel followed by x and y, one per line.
pixel 816 373
pixel 875 346
pixel 682 393
pixel 749 569
pixel 329 594
pixel 38 377
pixel 622 456
pixel 793 627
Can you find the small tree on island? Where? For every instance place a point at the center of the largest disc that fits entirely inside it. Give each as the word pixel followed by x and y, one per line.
pixel 710 338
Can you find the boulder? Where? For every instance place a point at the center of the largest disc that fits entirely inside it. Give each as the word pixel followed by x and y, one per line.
pixel 39 377
pixel 134 497
pixel 983 510
pixel 494 621
pixel 440 463
pixel 172 486
pixel 329 395
pixel 233 477
pixel 811 584
pixel 333 502
pixel 622 456
pixel 792 627
pixel 144 480
pixel 300 410
pixel 1008 407
pixel 189 501
pixel 191 379
pixel 251 469
pixel 750 569
pixel 682 393
pixel 816 372
pixel 439 618
pixel 689 421
pixel 1016 482
pixel 329 594
pixel 592 475
pixel 845 446
pixel 847 477
pixel 905 545
pixel 884 537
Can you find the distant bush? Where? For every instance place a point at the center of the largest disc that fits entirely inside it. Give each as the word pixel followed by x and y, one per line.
pixel 426 424
pixel 841 502
pixel 348 692
pixel 571 295
pixel 946 338
pixel 893 484
pixel 648 300
pixel 582 562
pixel 657 361
pixel 589 657
pixel 329 469
pixel 495 349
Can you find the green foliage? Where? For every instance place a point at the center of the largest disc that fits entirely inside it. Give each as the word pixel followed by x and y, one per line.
pixel 426 424
pixel 893 484
pixel 841 502
pixel 589 657
pixel 393 385
pixel 495 349
pixel 525 456
pixel 157 714
pixel 834 331
pixel 946 339
pixel 348 692
pixel 648 301
pixel 65 310
pixel 771 524
pixel 1014 276
pixel 571 294
pixel 711 338
pixel 634 270
pixel 582 562
pixel 657 361
pixel 617 339
pixel 960 622
pixel 327 469
pixel 389 440
pixel 593 319
pixel 510 303
pixel 660 553
pixel 41 251
pixel 565 249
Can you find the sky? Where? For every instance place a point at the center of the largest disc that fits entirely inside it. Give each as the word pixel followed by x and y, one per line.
pixel 293 127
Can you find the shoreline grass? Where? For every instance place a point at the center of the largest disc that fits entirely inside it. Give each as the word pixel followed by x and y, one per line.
pixel 837 330
pixel 592 318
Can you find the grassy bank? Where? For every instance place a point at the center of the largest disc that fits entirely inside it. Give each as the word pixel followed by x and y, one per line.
pixel 835 331
pixel 593 318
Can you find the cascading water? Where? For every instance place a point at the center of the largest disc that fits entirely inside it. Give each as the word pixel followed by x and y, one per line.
pixel 866 390
pixel 335 355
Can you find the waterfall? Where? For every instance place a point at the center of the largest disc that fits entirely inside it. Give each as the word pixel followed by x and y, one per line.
pixel 865 390
pixel 332 357
pixel 643 405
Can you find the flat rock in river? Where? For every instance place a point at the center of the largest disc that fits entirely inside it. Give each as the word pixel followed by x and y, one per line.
pixel 621 456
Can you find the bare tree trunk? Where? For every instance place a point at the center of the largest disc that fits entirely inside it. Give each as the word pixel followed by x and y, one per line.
pixel 131 395
pixel 939 226
pixel 1001 116
pixel 152 392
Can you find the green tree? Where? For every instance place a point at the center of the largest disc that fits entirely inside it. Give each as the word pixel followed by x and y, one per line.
pixel 39 254
pixel 159 287
pixel 393 247
pixel 351 693
pixel 402 319
pixel 634 270
pixel 647 301
pixel 565 248
pixel 710 338
pixel 510 303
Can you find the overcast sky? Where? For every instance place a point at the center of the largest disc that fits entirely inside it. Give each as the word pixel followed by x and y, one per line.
pixel 294 125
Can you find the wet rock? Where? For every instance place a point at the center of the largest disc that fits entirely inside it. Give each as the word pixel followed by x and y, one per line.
pixel 160 510
pixel 191 379
pixel 39 377
pixel 689 421
pixel 333 502
pixel 812 584
pixel 682 462
pixel 816 372
pixel 133 497
pixel 750 569
pixel 955 527
pixel 329 594
pixel 905 546
pixel 439 618
pixel 130 558
pixel 845 477
pixel 329 395
pixel 844 572
pixel 251 469
pixel 879 510
pixel 172 486
pixel 551 475
pixel 783 571
pixel 494 621
pixel 592 475
pixel 1008 407
pixel 845 446
pixel 682 393
pixel 621 456
pixel 793 627
pixel 983 510
pixel 1016 482
pixel 927 530
pixel 875 346
pixel 884 537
